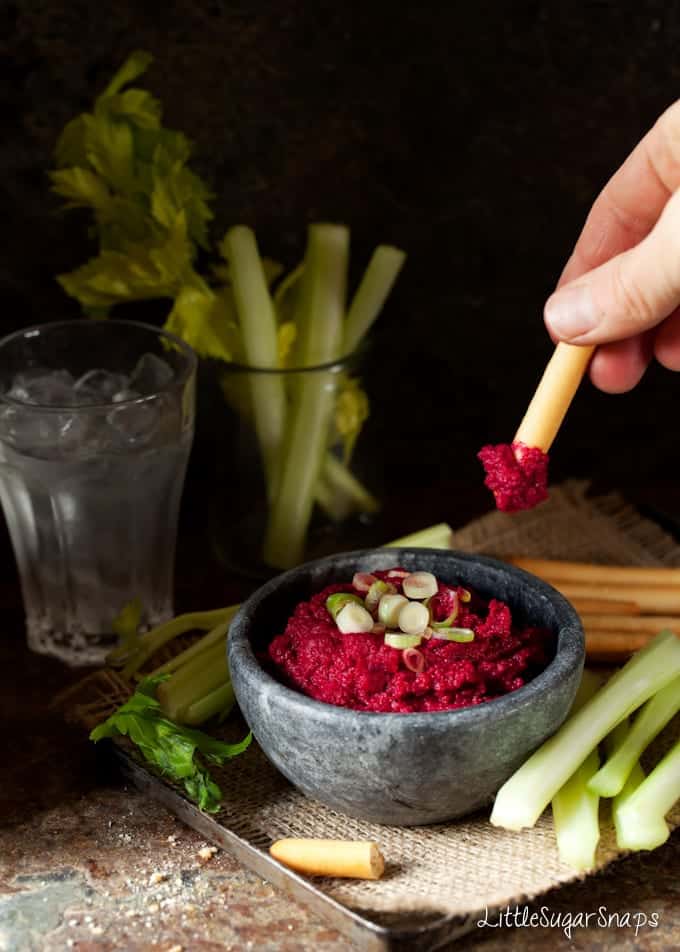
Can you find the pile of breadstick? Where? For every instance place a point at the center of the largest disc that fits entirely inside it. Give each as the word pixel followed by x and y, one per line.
pixel 621 607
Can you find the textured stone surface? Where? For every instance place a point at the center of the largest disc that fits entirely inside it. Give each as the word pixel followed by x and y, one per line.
pixel 403 768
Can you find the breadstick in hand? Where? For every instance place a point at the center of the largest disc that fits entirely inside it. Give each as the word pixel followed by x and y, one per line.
pixel 517 475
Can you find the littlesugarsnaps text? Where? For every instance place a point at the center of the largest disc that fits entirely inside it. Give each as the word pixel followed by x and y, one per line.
pixel 523 917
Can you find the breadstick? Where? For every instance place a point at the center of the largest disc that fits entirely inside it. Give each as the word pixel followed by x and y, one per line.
pixel 347 858
pixel 614 646
pixel 592 574
pixel 556 390
pixel 652 601
pixel 649 624
pixel 603 606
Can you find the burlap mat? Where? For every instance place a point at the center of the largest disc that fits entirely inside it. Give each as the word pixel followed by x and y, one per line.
pixel 461 867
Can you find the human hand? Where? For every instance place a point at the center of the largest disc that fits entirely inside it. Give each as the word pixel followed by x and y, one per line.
pixel 620 289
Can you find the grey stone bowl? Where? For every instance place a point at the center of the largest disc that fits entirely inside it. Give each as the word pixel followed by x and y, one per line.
pixel 403 769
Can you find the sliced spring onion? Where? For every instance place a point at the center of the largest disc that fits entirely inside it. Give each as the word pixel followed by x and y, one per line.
pixel 420 585
pixel 353 619
pixel 464 595
pixel 462 635
pixel 414 618
pixel 397 639
pixel 362 581
pixel 451 617
pixel 376 592
pixel 389 608
pixel 335 603
pixel 413 659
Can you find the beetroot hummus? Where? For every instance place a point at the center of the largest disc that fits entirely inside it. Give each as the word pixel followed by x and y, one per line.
pixel 517 475
pixel 359 670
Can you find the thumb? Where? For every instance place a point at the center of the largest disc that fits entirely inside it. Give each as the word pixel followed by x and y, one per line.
pixel 630 293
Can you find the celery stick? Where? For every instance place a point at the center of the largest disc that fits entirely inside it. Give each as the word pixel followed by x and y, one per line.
pixel 219 701
pixel 434 537
pixel 653 717
pixel 612 741
pixel 180 625
pixel 376 284
pixel 576 817
pixel 640 815
pixel 340 493
pixel 320 324
pixel 635 778
pixel 217 634
pixel 321 330
pixel 575 809
pixel 523 797
pixel 196 679
pixel 257 319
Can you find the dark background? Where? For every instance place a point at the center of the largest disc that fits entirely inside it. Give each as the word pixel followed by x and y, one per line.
pixel 473 135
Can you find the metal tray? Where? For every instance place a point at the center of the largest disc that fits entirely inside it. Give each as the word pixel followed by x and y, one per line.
pixel 368 935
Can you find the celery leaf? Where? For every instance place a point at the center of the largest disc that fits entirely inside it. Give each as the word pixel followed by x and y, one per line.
pixel 206 320
pixel 173 749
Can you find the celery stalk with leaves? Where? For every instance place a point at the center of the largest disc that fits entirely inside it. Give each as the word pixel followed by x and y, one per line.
pixel 151 214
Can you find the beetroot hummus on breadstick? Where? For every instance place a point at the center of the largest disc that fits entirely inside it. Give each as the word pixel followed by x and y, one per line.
pixel 517 475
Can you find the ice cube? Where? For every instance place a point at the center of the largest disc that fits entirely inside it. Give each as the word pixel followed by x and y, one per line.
pixel 29 431
pixel 125 394
pixel 79 433
pixel 44 387
pixel 135 423
pixel 99 386
pixel 151 374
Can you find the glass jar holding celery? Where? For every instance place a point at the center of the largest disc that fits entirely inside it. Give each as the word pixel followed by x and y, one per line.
pixel 285 344
pixel 299 398
pixel 261 523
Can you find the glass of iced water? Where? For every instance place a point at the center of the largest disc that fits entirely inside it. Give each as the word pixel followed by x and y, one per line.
pixel 96 424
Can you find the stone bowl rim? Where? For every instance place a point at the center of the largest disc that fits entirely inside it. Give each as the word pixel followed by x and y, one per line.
pixel 569 651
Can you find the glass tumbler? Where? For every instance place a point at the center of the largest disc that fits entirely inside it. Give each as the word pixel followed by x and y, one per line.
pixel 96 425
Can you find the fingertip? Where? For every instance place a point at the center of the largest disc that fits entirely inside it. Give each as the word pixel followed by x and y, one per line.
pixel 667 342
pixel 619 366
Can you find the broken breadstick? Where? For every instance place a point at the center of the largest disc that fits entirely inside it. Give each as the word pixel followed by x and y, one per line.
pixel 653 600
pixel 592 574
pixel 613 645
pixel 603 606
pixel 517 475
pixel 649 624
pixel 354 859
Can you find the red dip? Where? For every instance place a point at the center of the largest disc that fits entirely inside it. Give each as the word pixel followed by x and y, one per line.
pixel 361 672
pixel 517 475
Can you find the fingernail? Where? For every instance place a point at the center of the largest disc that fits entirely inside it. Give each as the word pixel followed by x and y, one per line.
pixel 571 312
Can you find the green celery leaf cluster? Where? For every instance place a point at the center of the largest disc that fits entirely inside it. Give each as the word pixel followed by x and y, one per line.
pixel 173 749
